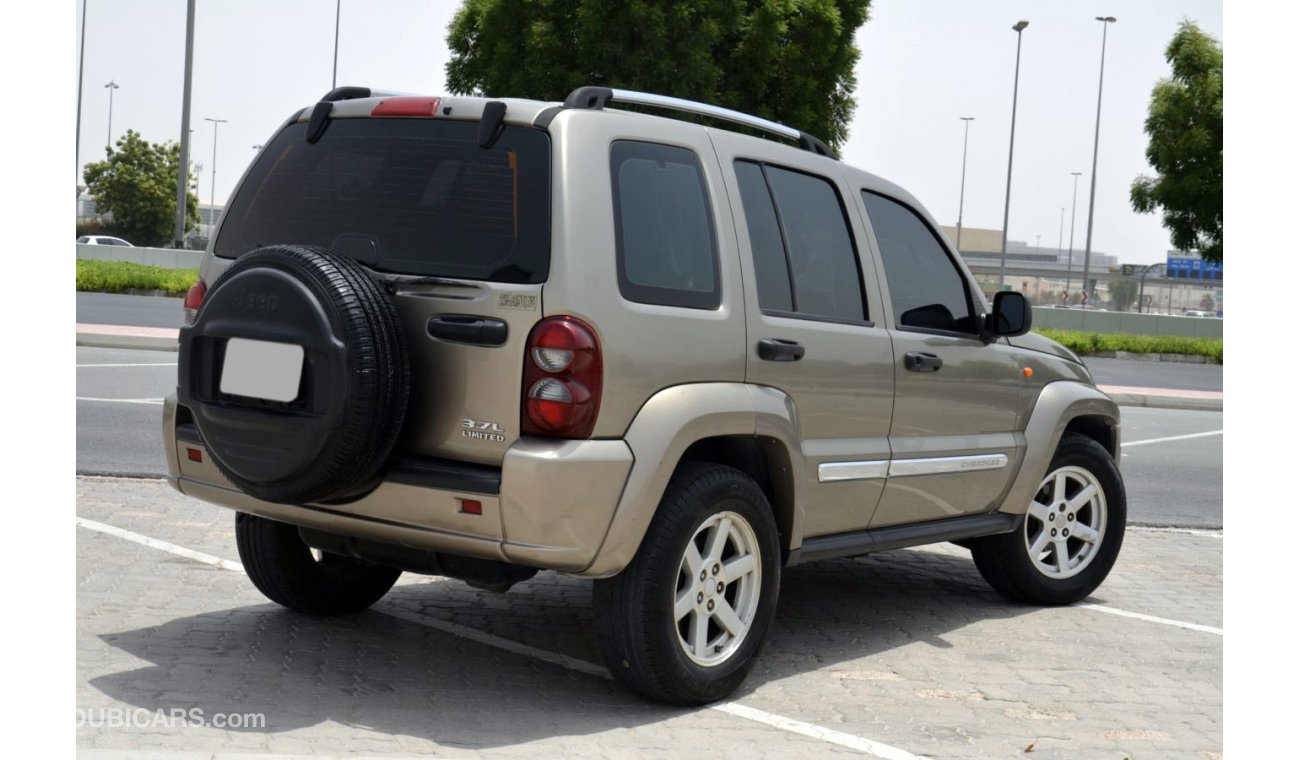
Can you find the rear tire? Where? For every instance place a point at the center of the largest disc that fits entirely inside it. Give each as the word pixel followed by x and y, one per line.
pixel 1071 536
pixel 284 569
pixel 671 635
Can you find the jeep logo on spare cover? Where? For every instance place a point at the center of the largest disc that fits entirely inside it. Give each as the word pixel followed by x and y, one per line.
pixel 709 356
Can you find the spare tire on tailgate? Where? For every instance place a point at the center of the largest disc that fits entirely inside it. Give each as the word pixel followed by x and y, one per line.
pixel 296 371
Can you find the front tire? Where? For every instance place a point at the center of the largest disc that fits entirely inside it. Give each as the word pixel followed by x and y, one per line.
pixel 1071 535
pixel 288 573
pixel 684 621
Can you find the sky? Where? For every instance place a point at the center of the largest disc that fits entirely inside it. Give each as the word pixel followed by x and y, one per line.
pixel 924 64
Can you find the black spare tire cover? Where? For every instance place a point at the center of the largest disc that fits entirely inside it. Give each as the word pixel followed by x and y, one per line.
pixel 330 440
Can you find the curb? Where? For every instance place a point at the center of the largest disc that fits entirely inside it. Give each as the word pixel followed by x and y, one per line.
pixel 1152 401
pixel 115 336
pixel 1177 358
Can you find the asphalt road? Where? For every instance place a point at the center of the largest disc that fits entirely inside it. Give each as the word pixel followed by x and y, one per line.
pixel 1170 482
pixel 119 410
pixel 1144 374
pixel 118 309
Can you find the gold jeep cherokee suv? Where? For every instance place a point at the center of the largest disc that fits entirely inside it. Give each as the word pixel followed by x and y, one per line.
pixel 479 338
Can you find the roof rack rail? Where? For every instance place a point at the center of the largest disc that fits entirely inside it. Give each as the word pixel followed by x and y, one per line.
pixel 596 98
pixel 355 93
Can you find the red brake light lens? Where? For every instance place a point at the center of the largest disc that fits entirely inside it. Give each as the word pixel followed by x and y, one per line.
pixel 194 299
pixel 407 106
pixel 563 374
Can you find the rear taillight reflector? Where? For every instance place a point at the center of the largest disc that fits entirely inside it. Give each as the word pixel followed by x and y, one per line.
pixel 194 455
pixel 407 106
pixel 193 300
pixel 563 374
pixel 471 507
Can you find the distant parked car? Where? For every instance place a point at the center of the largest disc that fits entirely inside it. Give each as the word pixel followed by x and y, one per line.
pixel 102 240
pixel 1197 313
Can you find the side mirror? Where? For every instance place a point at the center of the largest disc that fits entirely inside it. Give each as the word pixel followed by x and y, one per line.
pixel 1011 316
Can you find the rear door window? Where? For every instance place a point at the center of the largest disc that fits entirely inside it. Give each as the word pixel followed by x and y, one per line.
pixel 664 234
pixel 417 196
pixel 804 259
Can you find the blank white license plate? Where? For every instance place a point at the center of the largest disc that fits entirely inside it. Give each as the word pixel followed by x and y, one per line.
pixel 261 369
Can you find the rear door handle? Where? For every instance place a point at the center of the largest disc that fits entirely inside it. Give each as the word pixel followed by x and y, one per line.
pixel 916 361
pixel 779 350
pixel 458 328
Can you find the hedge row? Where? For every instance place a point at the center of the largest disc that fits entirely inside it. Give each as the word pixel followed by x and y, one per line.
pixel 1093 342
pixel 120 276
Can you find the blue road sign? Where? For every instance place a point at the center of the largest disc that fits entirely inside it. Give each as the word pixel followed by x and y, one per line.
pixel 1193 269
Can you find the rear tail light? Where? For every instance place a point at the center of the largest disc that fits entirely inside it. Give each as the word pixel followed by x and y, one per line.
pixel 563 372
pixel 194 299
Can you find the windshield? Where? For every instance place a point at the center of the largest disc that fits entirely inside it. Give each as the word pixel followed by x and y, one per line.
pixel 417 196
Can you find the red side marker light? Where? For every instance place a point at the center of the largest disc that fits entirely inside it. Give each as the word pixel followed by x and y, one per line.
pixel 471 507
pixel 194 455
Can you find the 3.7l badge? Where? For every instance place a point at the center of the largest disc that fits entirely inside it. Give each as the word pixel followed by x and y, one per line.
pixel 482 430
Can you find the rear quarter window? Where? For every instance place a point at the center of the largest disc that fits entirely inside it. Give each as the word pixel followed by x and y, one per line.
pixel 665 243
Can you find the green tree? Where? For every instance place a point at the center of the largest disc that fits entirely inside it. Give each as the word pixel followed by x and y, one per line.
pixel 1123 294
pixel 786 60
pixel 1185 129
pixel 136 183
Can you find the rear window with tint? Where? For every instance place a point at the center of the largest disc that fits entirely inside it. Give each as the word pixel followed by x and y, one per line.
pixel 417 196
pixel 663 226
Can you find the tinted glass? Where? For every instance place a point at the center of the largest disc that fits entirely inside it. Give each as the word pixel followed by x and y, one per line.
pixel 823 262
pixel 406 195
pixel 83 239
pixel 663 226
pixel 771 272
pixel 926 288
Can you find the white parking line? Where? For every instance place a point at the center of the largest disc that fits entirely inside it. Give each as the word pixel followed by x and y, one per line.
pixel 1187 437
pixel 1205 532
pixel 831 736
pixel 121 400
pixel 154 543
pixel 156 364
pixel 1150 618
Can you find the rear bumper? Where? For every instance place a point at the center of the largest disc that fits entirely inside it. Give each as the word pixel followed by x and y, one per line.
pixel 552 510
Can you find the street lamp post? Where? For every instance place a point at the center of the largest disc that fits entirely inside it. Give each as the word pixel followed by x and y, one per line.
pixel 183 170
pixel 111 86
pixel 1069 260
pixel 338 9
pixel 961 203
pixel 212 207
pixel 1106 21
pixel 81 67
pixel 1006 214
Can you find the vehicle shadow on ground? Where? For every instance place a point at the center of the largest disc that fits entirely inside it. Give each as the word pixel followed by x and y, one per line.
pixel 377 672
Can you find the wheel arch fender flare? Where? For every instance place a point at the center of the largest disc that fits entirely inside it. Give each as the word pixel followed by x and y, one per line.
pixel 667 425
pixel 1059 404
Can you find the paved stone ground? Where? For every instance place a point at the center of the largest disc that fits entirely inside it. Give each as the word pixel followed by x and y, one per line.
pixel 908 648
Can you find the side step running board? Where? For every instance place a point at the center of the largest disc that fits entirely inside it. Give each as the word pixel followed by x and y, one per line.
pixel 902 536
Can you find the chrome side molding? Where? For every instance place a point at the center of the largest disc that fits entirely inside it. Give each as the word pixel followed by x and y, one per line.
pixel 829 472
